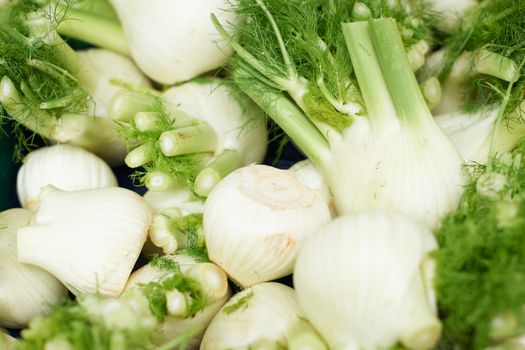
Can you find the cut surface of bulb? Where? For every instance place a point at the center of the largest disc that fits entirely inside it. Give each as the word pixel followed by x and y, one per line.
pixel 66 167
pixel 90 239
pixel 255 221
pixel 25 291
pixel 377 263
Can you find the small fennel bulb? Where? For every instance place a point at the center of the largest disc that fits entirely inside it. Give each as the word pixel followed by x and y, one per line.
pixel 255 221
pixel 180 42
pixel 263 316
pixel 88 239
pixel 25 291
pixel 365 281
pixel 66 167
pixel 178 321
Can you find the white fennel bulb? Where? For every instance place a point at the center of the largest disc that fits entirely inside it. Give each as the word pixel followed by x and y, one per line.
pixel 25 291
pixel 89 239
pixel 264 316
pixel 106 68
pixel 212 280
pixel 307 173
pixel 66 167
pixel 365 281
pixel 181 42
pixel 256 219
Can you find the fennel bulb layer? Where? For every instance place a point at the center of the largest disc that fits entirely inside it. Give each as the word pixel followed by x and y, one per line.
pixel 180 42
pixel 365 281
pixel 256 219
pixel 25 290
pixel 66 167
pixel 89 239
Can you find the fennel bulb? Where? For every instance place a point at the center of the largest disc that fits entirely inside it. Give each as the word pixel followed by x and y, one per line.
pixel 48 87
pixel 378 263
pixel 66 167
pixel 372 136
pixel 196 133
pixel 26 291
pixel 180 42
pixel 88 239
pixel 178 321
pixel 263 316
pixel 255 221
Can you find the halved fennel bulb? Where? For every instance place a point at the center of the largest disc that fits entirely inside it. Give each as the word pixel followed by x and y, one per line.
pixel 180 43
pixel 256 219
pixel 89 239
pixel 365 281
pixel 25 291
pixel 263 316
pixel 66 167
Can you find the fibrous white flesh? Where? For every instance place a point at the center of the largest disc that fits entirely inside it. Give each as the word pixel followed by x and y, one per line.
pixel 270 311
pixel 25 291
pixel 365 281
pixel 255 221
pixel 173 326
pixel 88 239
pixel 181 42
pixel 66 167
pixel 236 125
pixel 180 197
pixel 417 172
pixel 106 67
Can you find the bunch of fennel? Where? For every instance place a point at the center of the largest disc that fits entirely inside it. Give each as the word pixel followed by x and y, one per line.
pixel 343 89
